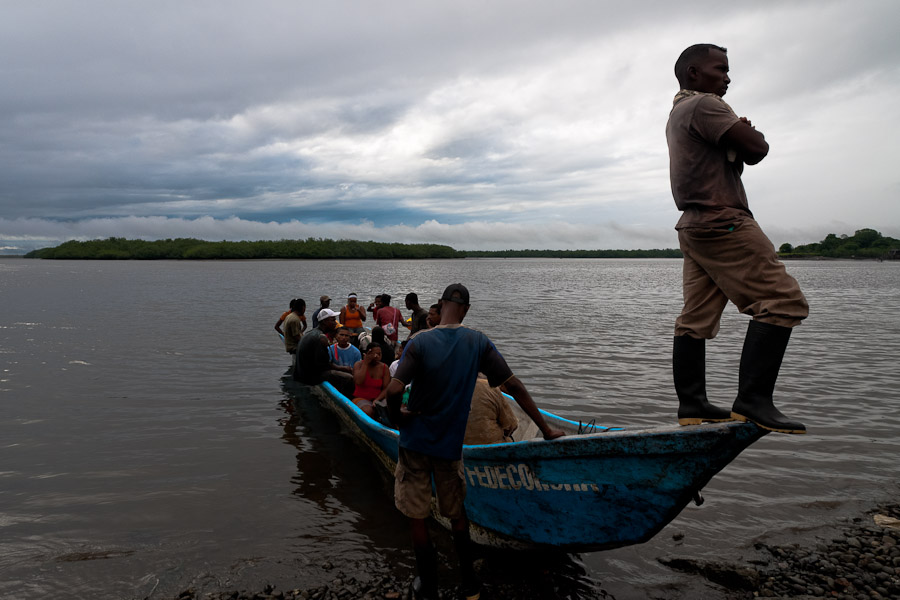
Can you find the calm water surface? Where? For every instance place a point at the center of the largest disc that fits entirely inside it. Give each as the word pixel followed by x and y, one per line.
pixel 146 444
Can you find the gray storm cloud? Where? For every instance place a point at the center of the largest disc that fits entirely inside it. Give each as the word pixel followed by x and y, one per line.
pixel 493 125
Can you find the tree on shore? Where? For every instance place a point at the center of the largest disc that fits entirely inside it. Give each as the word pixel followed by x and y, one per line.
pixel 865 243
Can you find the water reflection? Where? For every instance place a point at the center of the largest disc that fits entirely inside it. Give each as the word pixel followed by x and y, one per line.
pixel 353 517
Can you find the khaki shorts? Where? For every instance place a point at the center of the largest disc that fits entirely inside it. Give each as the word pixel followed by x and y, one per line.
pixel 412 485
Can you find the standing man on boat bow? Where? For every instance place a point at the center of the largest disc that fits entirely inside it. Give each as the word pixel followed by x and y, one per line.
pixel 726 254
pixel 442 364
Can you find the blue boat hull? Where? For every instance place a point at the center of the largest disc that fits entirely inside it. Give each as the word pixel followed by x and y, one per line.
pixel 582 492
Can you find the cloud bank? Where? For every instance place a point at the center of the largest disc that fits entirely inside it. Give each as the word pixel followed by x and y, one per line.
pixel 479 125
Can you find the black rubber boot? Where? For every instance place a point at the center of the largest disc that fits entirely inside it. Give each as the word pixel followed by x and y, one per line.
pixel 470 588
pixel 689 369
pixel 761 359
pixel 424 586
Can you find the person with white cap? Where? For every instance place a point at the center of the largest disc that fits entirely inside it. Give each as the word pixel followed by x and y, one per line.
pixel 313 360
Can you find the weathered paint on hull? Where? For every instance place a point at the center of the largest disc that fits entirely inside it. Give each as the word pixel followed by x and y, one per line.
pixel 580 492
pixel 599 491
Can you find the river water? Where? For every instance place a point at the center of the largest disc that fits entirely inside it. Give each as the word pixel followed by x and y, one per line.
pixel 146 444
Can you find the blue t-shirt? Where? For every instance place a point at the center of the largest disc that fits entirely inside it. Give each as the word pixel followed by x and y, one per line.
pixel 345 357
pixel 442 364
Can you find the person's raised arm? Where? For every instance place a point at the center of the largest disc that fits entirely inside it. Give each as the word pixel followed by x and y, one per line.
pixel 743 138
pixel 516 389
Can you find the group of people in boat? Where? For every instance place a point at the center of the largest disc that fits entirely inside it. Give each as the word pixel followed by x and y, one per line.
pixel 361 361
pixel 440 388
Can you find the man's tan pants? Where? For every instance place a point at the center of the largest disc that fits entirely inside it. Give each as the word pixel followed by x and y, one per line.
pixel 741 266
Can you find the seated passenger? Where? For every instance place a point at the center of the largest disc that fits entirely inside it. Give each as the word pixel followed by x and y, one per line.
pixel 375 306
pixel 378 339
pixel 371 377
pixel 324 302
pixel 312 353
pixel 417 321
pixel 399 355
pixel 434 316
pixel 389 317
pixel 491 420
pixel 352 317
pixel 342 353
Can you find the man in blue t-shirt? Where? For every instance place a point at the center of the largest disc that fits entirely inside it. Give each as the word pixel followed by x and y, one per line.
pixel 442 364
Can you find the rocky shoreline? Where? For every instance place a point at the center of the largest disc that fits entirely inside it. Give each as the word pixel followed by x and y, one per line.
pixel 862 562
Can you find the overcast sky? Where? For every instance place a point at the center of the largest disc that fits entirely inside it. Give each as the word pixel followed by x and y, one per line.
pixel 484 124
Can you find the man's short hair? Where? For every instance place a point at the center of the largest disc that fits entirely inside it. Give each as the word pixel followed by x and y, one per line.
pixel 343 329
pixel 412 297
pixel 298 304
pixel 386 299
pixel 690 56
pixel 436 307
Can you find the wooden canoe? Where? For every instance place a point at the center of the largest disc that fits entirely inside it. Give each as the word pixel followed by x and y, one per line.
pixel 595 489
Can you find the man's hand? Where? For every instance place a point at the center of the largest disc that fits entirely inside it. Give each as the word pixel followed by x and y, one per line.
pixel 552 434
pixel 517 390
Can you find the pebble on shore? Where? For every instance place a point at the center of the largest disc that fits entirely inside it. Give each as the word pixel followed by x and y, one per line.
pixel 863 563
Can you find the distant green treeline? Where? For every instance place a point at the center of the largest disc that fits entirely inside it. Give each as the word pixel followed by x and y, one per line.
pixel 188 248
pixel 865 243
